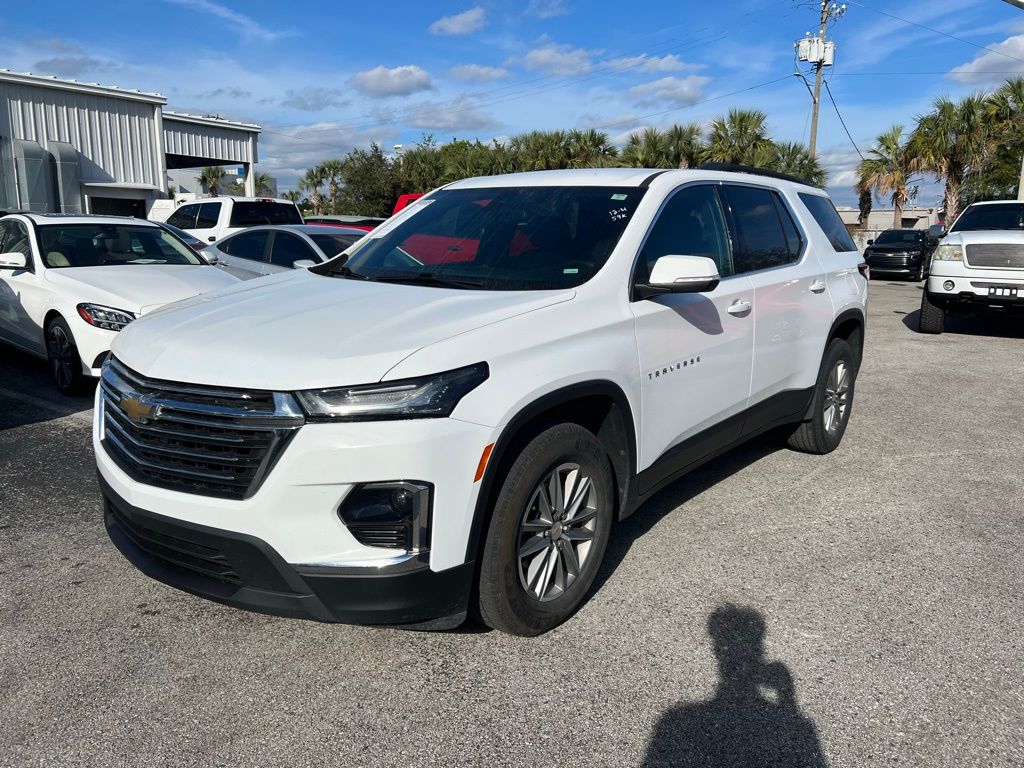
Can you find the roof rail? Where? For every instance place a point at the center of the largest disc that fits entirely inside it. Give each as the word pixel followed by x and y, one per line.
pixel 737 168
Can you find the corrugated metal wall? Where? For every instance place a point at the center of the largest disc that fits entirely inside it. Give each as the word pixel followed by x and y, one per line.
pixel 116 137
pixel 194 140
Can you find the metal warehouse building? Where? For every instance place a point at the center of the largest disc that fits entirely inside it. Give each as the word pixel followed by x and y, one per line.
pixel 74 147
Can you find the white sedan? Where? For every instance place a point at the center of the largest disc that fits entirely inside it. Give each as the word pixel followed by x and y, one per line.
pixel 68 284
pixel 266 250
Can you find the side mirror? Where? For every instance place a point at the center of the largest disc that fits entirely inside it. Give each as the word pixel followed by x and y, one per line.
pixel 303 264
pixel 681 274
pixel 936 232
pixel 210 256
pixel 870 242
pixel 13 261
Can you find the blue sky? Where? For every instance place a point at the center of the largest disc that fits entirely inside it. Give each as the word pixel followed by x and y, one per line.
pixel 322 77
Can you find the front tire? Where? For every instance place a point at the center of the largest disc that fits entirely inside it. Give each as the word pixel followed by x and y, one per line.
pixel 548 533
pixel 831 403
pixel 62 356
pixel 932 318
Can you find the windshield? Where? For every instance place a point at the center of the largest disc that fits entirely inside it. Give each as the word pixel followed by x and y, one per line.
pixel 900 237
pixel 98 245
pixel 253 213
pixel 332 245
pixel 498 239
pixel 1002 216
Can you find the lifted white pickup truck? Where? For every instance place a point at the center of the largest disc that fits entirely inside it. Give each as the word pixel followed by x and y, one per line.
pixel 978 266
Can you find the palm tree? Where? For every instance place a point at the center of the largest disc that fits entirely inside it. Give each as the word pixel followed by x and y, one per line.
pixel 952 141
pixel 738 137
pixel 684 145
pixel 264 184
pixel 292 194
pixel 795 159
pixel 311 182
pixel 864 203
pixel 590 148
pixel 647 149
pixel 887 170
pixel 332 171
pixel 1005 110
pixel 211 178
pixel 541 150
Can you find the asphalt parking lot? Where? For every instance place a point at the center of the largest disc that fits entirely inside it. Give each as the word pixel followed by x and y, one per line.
pixel 886 578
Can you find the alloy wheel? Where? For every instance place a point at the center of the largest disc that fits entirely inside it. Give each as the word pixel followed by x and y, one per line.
pixel 557 532
pixel 837 392
pixel 62 356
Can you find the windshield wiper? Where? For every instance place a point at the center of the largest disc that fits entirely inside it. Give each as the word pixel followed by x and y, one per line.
pixel 429 278
pixel 344 271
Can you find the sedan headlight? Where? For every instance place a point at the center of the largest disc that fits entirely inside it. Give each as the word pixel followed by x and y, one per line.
pixel 948 253
pixel 105 317
pixel 421 398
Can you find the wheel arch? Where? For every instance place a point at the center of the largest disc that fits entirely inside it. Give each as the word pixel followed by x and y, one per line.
pixel 849 326
pixel 600 406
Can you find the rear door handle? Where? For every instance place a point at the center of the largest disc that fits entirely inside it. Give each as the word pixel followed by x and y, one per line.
pixel 739 307
pixel 818 286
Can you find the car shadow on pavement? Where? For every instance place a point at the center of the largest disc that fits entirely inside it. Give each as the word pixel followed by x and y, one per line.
pixel 998 326
pixel 29 396
pixel 675 495
pixel 753 720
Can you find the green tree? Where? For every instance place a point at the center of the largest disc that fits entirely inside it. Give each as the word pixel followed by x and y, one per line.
pixel 952 142
pixel 887 169
pixel 646 149
pixel 795 159
pixel 999 175
pixel 590 148
pixel 264 184
pixel 311 183
pixel 371 183
pixel 738 137
pixel 292 194
pixel 331 170
pixel 684 145
pixel 210 179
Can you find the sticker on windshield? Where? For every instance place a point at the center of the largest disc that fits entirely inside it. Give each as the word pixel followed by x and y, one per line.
pixel 619 196
pixel 571 271
pixel 618 214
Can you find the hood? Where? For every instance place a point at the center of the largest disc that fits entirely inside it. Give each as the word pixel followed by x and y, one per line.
pixel 139 288
pixel 300 330
pixel 970 237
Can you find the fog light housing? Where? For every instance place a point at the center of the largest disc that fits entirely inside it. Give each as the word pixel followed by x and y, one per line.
pixel 949 285
pixel 391 515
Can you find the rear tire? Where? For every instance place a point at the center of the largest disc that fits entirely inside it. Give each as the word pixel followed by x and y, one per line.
pixel 62 357
pixel 831 403
pixel 548 533
pixel 932 318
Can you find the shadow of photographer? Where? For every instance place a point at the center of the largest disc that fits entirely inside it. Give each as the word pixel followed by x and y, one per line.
pixel 752 721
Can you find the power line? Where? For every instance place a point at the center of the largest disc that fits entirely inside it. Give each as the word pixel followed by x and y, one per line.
pixel 840 116
pixel 936 31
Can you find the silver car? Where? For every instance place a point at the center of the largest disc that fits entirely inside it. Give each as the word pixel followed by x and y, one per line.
pixel 266 250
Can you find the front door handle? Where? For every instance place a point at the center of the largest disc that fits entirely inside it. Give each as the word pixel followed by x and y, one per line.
pixel 739 307
pixel 818 286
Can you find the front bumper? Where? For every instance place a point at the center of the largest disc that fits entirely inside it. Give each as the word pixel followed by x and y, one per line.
pixel 978 291
pixel 245 572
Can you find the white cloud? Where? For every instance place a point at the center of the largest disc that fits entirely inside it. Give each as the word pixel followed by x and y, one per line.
pixel 313 98
pixel 558 59
pixel 396 81
pixel 644 63
pixel 546 9
pixel 675 91
pixel 246 25
pixel 991 67
pixel 460 23
pixel 455 116
pixel 476 73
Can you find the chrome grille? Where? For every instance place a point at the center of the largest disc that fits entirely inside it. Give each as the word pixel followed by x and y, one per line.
pixel 193 438
pixel 995 255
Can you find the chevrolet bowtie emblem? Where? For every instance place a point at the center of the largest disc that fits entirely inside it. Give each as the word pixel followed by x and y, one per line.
pixel 137 410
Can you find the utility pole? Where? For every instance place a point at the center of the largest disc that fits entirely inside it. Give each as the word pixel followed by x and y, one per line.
pixel 821 53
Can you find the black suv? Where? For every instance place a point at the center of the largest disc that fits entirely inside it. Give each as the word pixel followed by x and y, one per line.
pixel 900 251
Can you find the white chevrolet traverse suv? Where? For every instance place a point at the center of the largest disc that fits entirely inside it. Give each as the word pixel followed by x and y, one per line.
pixel 978 266
pixel 450 417
pixel 69 284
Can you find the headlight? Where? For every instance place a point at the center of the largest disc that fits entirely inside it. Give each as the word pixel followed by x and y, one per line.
pixel 948 253
pixel 105 317
pixel 422 398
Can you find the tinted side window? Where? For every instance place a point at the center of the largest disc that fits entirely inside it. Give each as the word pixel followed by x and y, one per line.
pixel 247 214
pixel 247 245
pixel 208 215
pixel 828 219
pixel 760 240
pixel 690 224
pixel 184 217
pixel 16 240
pixel 288 249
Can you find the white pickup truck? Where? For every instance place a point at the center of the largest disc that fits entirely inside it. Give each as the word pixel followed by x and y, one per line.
pixel 978 266
pixel 212 218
